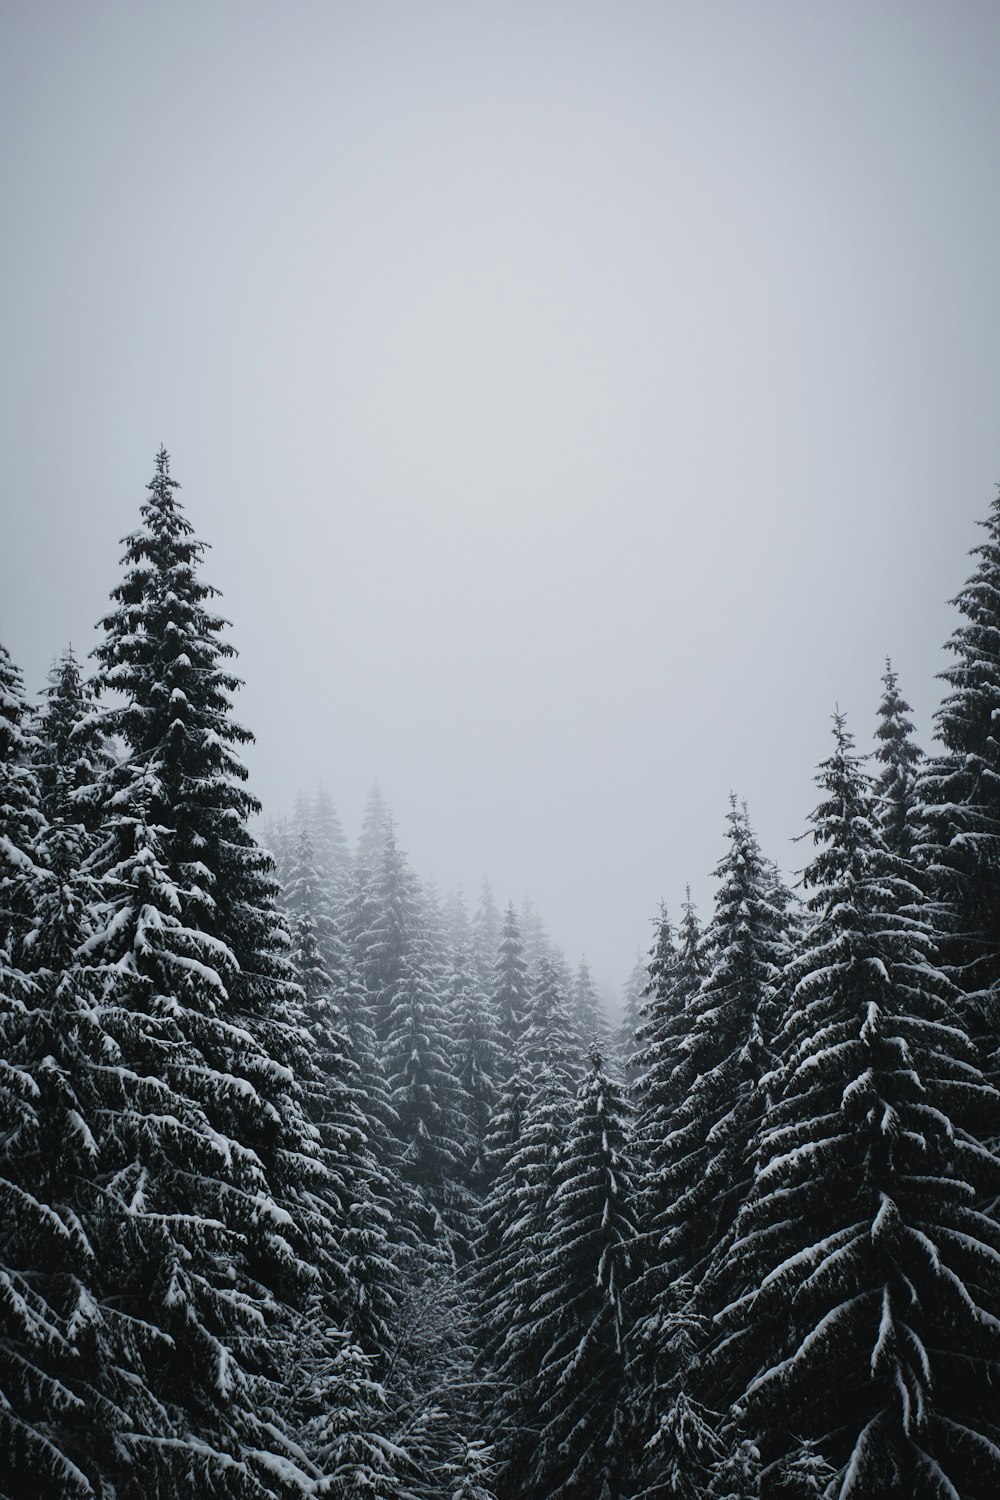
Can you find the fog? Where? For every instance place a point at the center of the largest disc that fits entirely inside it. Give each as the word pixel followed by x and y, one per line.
pixel 580 400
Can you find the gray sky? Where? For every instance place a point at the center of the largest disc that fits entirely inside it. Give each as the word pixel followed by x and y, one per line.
pixel 581 399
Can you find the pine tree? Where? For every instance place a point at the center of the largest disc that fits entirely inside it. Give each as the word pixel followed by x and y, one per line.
pixel 511 1248
pixel 729 1024
pixel 659 1344
pixel 356 1262
pixel 427 1100
pixel 333 856
pixel 212 1177
pixel 510 986
pixel 476 1059
pixel 64 1396
pixel 959 792
pixel 868 1275
pixel 626 1037
pixel 900 759
pixel 699 1158
pixel 71 755
pixel 486 926
pixel 548 1039
pixel 580 1314
pixel 587 1012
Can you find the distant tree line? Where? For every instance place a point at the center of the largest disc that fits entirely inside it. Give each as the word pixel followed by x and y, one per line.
pixel 312 1183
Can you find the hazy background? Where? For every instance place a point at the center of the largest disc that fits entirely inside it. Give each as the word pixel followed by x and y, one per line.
pixel 580 399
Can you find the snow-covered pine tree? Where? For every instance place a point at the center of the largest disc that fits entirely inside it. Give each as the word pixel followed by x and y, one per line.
pixel 511 1247
pixel 674 976
pixel 71 755
pixel 333 855
pixel 536 941
pixel 376 823
pixel 510 987
pixel 357 1255
pixel 549 1039
pixel 579 1313
pixel 20 810
pixel 959 793
pixel 698 1172
pixel 587 1012
pixel 899 757
pixel 395 932
pixel 427 1099
pixel 64 1396
pixel 486 926
pixel 626 1036
pixel 360 904
pixel 867 1320
pixel 212 1177
pixel 476 1059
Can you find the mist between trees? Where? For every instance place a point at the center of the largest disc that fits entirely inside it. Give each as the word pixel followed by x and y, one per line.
pixel 314 1184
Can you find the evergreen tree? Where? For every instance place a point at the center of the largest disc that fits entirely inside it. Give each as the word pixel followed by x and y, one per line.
pixel 657 1344
pixel 212 1179
pixel 587 1012
pixel 868 1276
pixel 71 755
pixel 700 1148
pixel 579 1314
pixel 486 925
pixel 510 986
pixel 549 1039
pixel 899 758
pixel 427 1100
pixel 356 1254
pixel 477 1060
pixel 627 1035
pixel 511 1248
pixel 66 1390
pixel 959 792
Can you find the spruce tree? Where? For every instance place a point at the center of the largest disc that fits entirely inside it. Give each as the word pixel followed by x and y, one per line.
pixel 510 986
pixel 699 1159
pixel 486 926
pixel 587 1012
pixel 476 1059
pixel 67 1392
pixel 356 1254
pixel 899 757
pixel 580 1314
pixel 626 1037
pixel 213 1181
pixel 512 1246
pixel 959 792
pixel 71 755
pixel 549 1039
pixel 867 1274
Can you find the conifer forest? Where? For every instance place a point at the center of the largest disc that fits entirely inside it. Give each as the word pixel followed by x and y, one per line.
pixel 314 1184
pixel 499 750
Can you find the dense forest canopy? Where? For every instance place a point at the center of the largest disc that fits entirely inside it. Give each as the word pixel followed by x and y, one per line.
pixel 315 1183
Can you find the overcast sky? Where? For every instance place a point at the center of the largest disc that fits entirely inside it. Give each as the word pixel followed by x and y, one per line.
pixel 580 399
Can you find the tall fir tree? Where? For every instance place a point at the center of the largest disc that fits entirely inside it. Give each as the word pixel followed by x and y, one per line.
pixel 357 1263
pixel 213 1176
pixel 699 1166
pixel 899 757
pixel 866 1273
pixel 68 1388
pixel 510 986
pixel 580 1312
pixel 959 793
